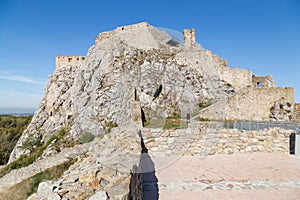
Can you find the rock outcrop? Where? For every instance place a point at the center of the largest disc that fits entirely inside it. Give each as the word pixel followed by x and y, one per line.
pixel 119 77
pixel 131 76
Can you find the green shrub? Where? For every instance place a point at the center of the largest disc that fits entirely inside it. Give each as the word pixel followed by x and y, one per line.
pixel 111 125
pixel 174 122
pixel 155 122
pixel 201 119
pixel 86 137
pixel 28 159
pixel 11 129
pixel 203 105
pixel 32 144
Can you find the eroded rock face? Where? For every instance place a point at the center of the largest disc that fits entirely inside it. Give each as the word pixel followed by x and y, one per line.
pixel 102 172
pixel 282 110
pixel 120 75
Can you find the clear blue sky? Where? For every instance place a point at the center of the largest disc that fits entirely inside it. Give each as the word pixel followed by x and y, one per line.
pixel 260 35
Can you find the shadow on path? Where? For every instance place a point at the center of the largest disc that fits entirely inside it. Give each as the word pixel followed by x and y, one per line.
pixel 143 181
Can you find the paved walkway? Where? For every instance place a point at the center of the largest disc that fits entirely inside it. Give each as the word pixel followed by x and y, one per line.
pixel 240 176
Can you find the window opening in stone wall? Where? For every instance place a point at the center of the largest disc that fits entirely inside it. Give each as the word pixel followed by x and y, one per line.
pixel 259 84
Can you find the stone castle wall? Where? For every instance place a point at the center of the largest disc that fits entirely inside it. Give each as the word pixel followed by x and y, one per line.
pixel 297 112
pixel 63 61
pixel 254 104
pixel 237 78
pixel 106 35
pixel 211 66
pixel 263 81
pixel 203 140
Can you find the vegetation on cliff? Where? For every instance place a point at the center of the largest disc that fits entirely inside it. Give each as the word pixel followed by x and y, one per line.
pixel 29 186
pixel 28 159
pixel 11 129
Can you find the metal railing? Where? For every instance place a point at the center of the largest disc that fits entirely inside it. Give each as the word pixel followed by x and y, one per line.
pixel 250 125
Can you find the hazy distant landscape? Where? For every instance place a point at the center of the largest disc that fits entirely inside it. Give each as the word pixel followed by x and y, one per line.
pixel 17 111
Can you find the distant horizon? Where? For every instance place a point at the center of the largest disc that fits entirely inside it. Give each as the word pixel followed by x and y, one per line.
pixel 8 111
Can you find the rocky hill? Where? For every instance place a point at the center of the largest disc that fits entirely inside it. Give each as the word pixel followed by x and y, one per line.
pixel 127 70
pixel 132 77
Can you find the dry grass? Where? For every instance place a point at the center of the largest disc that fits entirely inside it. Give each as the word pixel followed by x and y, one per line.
pixel 175 122
pixel 23 190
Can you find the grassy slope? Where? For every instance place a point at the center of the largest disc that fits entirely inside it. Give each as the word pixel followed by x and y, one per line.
pixel 29 186
pixel 11 129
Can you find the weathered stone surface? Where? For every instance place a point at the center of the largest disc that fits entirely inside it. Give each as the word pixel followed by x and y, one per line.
pixel 254 104
pixel 200 139
pixel 123 71
pixel 91 93
pixel 101 195
pixel 297 112
pixel 104 168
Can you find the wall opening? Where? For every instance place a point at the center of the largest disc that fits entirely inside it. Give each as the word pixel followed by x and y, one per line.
pixel 259 84
pixel 157 92
pixel 135 95
pixel 143 117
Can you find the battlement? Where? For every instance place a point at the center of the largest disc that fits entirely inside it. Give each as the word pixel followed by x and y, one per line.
pixel 189 38
pixel 105 35
pixel 69 60
pixel 130 27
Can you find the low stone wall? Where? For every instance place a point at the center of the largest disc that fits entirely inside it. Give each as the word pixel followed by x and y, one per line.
pixel 253 104
pixel 203 140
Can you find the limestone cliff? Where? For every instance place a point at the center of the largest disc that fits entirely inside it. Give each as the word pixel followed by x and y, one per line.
pixel 132 74
pixel 120 76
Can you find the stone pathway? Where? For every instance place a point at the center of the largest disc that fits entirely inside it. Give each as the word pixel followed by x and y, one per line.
pixel 239 176
pixel 228 185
